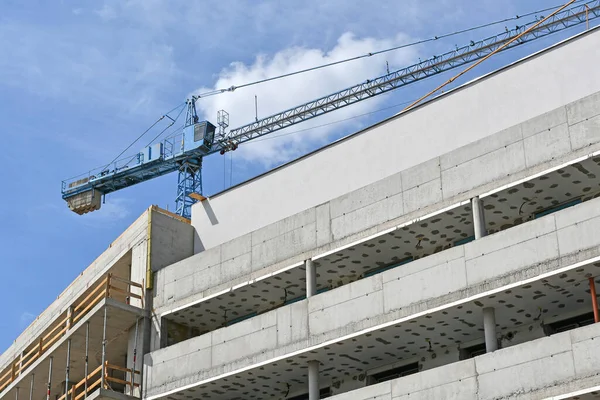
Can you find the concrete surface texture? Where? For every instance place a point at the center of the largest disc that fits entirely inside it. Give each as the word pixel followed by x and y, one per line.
pixel 558 136
pixel 537 85
pixel 535 370
pixel 529 250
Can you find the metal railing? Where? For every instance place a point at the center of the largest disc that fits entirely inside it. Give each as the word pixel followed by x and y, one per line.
pixel 110 287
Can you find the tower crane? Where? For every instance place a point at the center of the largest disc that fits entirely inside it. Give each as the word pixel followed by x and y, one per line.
pixel 184 152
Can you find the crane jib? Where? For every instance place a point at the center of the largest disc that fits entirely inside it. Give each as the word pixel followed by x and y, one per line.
pixel 184 152
pixel 437 64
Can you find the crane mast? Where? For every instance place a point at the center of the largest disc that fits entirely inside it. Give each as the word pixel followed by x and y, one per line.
pixel 184 152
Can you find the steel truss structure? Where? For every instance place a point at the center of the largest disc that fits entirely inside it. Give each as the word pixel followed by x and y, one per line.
pixel 437 64
pixel 175 156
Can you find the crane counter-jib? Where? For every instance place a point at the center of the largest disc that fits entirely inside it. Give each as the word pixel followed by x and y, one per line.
pixel 83 194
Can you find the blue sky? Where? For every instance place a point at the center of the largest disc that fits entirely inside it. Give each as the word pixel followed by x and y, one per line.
pixel 80 80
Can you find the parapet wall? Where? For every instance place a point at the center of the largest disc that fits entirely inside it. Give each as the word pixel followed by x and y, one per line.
pixel 522 91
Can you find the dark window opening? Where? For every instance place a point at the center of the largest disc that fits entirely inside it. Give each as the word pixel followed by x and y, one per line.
pixel 240 319
pixel 323 393
pixel 464 241
pixel 175 332
pixel 553 209
pixel 300 298
pixel 379 270
pixel 393 373
pixel 569 323
pixel 472 351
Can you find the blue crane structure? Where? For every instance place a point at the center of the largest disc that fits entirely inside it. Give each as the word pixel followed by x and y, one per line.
pixel 184 152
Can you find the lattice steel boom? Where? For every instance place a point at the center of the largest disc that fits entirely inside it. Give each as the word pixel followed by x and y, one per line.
pixel 185 151
pixel 435 65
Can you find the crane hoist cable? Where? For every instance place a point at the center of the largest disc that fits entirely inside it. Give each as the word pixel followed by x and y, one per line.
pixel 499 49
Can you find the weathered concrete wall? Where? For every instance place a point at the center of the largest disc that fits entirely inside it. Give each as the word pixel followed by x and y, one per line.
pixel 520 151
pixel 538 369
pixel 172 240
pixel 527 89
pixel 525 251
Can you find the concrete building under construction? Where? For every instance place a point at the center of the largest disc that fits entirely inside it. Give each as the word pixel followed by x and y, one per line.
pixel 449 252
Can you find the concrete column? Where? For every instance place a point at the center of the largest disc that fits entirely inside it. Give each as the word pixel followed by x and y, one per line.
pixel 478 218
pixel 489 328
pixel 313 380
pixel 311 278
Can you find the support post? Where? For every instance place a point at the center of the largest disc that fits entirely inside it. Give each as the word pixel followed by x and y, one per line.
pixel 311 278
pixel 478 218
pixel 594 299
pixel 489 328
pixel 67 369
pixel 108 285
pixel 102 378
pixel 313 380
pixel 69 317
pixel 49 378
pixel 17 393
pixel 31 387
pixel 135 341
pixel 87 349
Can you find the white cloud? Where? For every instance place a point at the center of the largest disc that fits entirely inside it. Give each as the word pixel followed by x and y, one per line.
pixel 281 94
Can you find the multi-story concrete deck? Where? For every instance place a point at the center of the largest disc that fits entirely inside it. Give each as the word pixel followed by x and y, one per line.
pixel 399 250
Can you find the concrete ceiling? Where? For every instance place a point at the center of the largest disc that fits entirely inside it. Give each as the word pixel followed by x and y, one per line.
pixel 519 203
pixel 516 310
